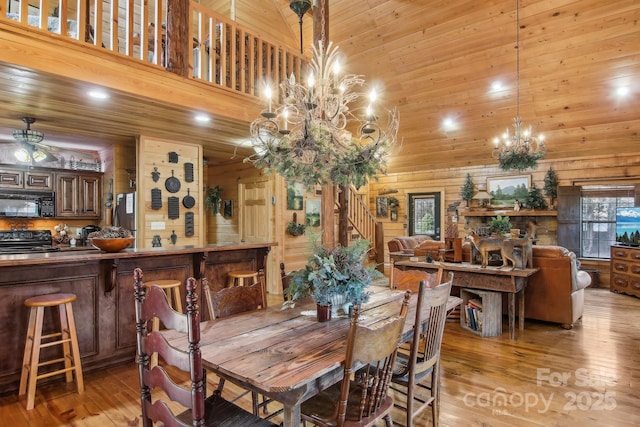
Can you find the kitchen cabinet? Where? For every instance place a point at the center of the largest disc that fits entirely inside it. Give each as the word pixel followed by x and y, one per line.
pixel 17 178
pixel 103 284
pixel 78 194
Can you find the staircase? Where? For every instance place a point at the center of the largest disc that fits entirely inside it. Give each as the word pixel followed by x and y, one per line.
pixel 363 224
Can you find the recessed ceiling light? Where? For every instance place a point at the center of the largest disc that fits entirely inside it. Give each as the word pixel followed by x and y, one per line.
pixel 98 94
pixel 449 123
pixel 496 86
pixel 202 118
pixel 623 91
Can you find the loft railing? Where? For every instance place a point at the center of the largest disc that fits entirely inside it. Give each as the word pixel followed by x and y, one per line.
pixel 222 52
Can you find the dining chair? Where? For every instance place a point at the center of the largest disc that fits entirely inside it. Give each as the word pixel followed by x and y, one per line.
pixel 409 279
pixel 362 400
pixel 212 411
pixel 423 358
pixel 235 300
pixel 285 279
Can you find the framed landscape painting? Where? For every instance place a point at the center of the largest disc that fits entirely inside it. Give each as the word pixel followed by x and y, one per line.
pixel 505 190
pixel 313 213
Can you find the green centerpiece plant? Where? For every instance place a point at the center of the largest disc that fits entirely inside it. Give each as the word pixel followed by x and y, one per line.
pixel 337 271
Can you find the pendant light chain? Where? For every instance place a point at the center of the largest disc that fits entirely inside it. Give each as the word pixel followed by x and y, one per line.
pixel 517 58
pixel 323 35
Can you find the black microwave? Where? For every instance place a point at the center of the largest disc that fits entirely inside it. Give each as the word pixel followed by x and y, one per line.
pixel 27 205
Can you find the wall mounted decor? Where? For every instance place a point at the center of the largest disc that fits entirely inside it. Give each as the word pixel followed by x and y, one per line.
pixel 227 208
pixel 313 213
pixel 505 190
pixel 294 196
pixel 382 208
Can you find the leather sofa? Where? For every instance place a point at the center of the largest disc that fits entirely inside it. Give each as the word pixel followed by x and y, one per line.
pixel 408 243
pixel 556 292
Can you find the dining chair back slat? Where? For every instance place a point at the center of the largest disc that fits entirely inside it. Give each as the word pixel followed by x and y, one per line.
pixel 424 352
pixel 370 356
pixel 152 302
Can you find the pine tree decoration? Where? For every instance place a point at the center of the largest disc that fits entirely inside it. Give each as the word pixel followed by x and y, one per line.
pixel 551 185
pixel 535 199
pixel 468 189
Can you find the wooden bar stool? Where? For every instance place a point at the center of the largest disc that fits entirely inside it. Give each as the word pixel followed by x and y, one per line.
pixel 237 278
pixel 34 342
pixel 172 289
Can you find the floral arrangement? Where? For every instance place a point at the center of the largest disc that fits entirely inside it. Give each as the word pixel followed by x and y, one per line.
pixel 339 270
pixel 62 234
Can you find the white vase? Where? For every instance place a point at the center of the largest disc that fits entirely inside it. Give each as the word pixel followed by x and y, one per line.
pixel 337 303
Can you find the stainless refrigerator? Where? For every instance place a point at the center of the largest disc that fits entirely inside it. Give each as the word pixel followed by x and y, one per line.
pixel 125 213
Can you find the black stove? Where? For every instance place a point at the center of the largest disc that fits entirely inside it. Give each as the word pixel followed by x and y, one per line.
pixel 26 242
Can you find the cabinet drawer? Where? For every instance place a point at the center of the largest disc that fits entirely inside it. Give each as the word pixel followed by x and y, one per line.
pixel 620 281
pixel 625 267
pixel 10 179
pixel 38 181
pixel 620 253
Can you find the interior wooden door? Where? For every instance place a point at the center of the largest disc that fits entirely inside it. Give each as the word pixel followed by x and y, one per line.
pixel 256 220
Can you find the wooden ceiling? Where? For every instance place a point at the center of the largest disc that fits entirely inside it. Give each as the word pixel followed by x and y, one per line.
pixel 433 60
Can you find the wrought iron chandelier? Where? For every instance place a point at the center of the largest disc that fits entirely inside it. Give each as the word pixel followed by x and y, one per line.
pixel 326 131
pixel 523 149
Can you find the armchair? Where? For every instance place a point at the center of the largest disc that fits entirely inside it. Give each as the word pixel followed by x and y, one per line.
pixel 556 292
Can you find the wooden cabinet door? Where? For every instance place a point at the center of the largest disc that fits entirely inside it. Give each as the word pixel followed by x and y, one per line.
pixel 11 179
pixel 66 195
pixel 78 195
pixel 38 180
pixel 89 197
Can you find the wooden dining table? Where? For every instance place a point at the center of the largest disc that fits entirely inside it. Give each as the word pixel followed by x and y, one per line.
pixel 286 354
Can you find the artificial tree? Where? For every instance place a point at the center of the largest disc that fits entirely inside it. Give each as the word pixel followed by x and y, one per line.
pixel 551 185
pixel 535 199
pixel 468 189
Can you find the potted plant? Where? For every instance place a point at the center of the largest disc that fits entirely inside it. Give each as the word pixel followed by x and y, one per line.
pixel 551 186
pixel 500 225
pixel 212 199
pixel 337 271
pixel 295 229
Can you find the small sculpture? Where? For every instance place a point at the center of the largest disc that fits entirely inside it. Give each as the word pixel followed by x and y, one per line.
pixel 516 206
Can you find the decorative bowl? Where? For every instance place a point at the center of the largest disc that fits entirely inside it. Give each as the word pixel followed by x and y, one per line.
pixel 115 244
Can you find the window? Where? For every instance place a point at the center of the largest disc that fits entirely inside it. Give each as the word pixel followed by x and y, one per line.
pixel 598 217
pixel 424 214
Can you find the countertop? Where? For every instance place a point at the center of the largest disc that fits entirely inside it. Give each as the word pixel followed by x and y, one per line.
pixel 87 253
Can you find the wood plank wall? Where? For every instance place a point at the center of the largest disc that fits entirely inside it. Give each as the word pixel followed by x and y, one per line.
pixel 154 153
pixel 593 170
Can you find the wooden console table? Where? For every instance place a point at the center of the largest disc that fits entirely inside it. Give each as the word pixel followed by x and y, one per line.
pixel 473 276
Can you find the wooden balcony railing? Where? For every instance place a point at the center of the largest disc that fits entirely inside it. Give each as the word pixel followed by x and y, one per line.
pixel 222 52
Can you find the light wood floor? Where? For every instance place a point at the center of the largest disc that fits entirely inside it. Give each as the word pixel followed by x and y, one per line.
pixel 487 382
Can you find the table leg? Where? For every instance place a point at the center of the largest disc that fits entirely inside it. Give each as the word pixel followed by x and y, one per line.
pixel 512 315
pixel 521 309
pixel 291 416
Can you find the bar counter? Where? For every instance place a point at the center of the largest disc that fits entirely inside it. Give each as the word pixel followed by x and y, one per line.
pixel 103 284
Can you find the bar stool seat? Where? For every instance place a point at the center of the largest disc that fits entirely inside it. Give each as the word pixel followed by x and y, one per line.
pixel 237 278
pixel 67 337
pixel 172 289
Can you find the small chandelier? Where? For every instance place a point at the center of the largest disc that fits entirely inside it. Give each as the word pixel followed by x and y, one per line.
pixel 308 137
pixel 523 149
pixel 28 136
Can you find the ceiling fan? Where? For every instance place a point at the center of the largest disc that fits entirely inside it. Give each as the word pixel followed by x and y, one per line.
pixel 29 144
